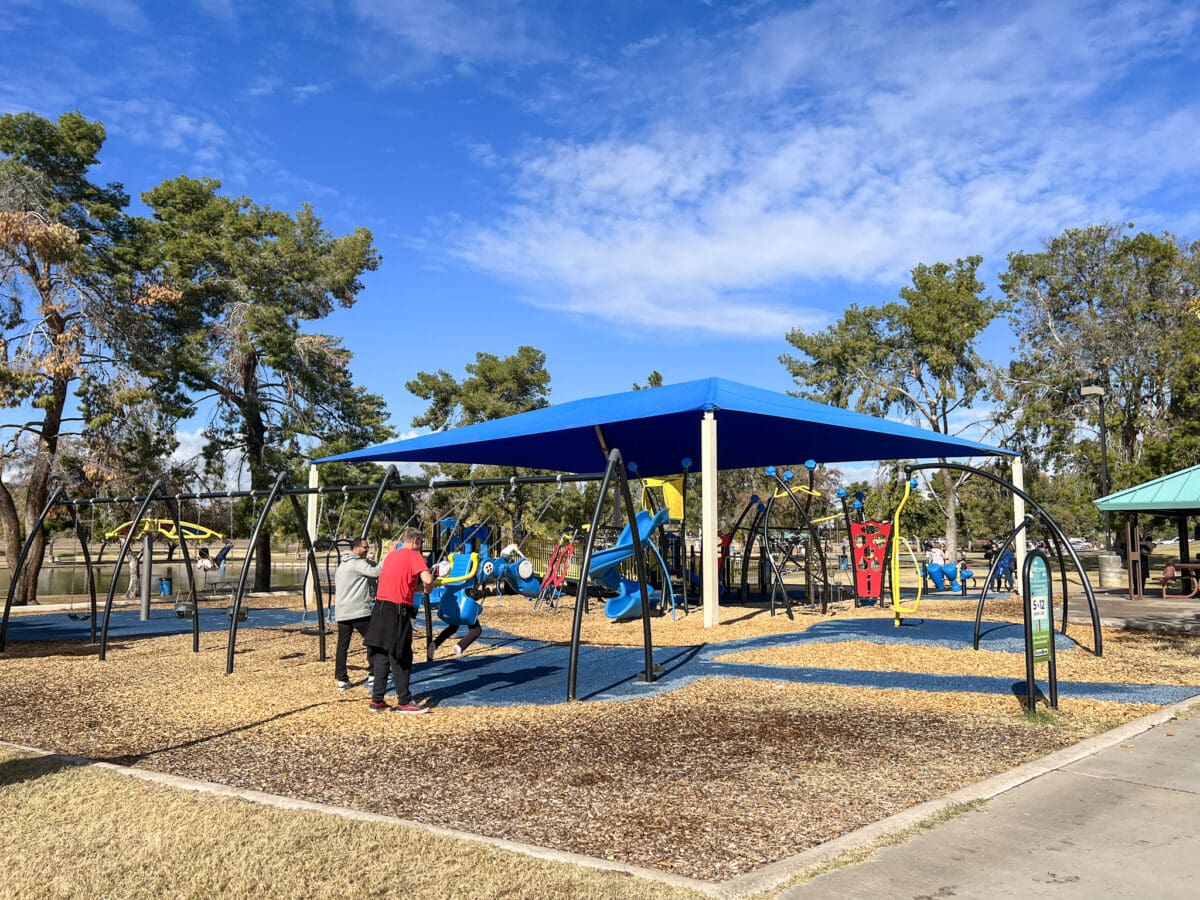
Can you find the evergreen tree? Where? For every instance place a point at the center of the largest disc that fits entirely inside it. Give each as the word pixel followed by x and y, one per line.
pixel 917 357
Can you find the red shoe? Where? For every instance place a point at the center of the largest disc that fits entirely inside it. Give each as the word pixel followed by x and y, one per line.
pixel 410 708
pixel 379 707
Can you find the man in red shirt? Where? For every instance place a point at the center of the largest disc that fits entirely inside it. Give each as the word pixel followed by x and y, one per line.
pixel 390 632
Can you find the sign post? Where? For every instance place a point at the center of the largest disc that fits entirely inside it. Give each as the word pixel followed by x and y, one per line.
pixel 1037 589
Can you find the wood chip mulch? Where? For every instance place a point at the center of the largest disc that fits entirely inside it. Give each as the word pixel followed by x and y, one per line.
pixel 711 780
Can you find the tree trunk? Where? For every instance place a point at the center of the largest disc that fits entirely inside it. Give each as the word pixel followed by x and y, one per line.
pixel 39 487
pixel 951 489
pixel 12 534
pixel 260 480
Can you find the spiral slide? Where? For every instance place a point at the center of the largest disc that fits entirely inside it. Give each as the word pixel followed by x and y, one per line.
pixel 604 565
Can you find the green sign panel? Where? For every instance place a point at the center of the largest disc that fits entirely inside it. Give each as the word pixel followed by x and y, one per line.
pixel 1039 602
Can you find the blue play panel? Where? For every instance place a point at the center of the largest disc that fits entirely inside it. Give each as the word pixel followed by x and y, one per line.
pixel 125 623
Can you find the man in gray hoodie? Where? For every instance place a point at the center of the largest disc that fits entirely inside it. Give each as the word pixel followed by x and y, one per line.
pixel 354 585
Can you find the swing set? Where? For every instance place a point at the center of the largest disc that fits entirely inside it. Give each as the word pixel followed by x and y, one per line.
pixel 281 489
pixel 1052 531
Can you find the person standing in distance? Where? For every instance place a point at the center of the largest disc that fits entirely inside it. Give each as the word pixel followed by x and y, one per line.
pixel 390 632
pixel 354 588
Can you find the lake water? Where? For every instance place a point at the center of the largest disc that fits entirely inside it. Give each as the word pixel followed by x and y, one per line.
pixel 65 580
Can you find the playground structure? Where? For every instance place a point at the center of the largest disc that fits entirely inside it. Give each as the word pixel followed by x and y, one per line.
pixel 281 489
pixel 1054 537
pixel 778 557
pixel 604 568
pixel 510 567
pixel 557 567
pixel 167 528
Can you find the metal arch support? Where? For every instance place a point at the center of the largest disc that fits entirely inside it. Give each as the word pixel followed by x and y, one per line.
pixel 777 584
pixel 30 538
pixel 752 535
pixel 112 587
pixel 173 506
pixel 375 504
pixel 816 539
pixel 87 561
pixel 991 574
pixel 1093 609
pixel 615 466
pixel 313 571
pixel 235 610
pixel 585 566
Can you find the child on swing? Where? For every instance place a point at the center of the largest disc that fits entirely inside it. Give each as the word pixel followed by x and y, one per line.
pixel 474 629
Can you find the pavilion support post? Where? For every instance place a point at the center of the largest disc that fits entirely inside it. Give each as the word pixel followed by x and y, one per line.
pixel 147 575
pixel 314 481
pixel 1018 480
pixel 710 543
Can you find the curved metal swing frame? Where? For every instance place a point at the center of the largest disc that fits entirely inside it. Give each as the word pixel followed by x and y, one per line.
pixel 614 474
pixel 173 506
pixel 1053 530
pixel 239 594
pixel 815 538
pixel 56 497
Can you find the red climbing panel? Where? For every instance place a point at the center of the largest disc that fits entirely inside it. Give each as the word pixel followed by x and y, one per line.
pixel 869 543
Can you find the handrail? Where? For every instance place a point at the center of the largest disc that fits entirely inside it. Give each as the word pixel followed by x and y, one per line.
pixel 459 579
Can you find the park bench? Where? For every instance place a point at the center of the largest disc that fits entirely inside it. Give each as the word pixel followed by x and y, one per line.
pixel 1171 575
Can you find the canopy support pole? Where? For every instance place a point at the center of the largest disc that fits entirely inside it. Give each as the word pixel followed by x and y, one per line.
pixel 710 543
pixel 1018 480
pixel 314 481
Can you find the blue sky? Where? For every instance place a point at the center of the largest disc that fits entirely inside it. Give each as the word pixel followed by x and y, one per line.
pixel 638 185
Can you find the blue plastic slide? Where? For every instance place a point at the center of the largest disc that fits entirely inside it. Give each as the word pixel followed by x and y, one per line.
pixel 604 565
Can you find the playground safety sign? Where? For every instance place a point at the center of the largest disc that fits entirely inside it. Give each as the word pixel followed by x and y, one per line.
pixel 1037 590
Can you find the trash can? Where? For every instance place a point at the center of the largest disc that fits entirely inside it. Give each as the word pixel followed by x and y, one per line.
pixel 1111 571
pixel 165 585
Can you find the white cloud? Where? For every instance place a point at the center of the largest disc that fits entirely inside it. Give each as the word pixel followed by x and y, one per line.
pixel 465 34
pixel 303 92
pixel 839 142
pixel 264 86
pixel 221 10
pixel 124 14
pixel 159 123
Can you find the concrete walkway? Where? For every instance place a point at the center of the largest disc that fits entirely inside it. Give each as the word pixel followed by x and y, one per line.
pixel 1122 822
pixel 1174 614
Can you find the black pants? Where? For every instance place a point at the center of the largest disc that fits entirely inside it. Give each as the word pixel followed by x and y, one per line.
pixel 345 633
pixel 473 631
pixel 396 656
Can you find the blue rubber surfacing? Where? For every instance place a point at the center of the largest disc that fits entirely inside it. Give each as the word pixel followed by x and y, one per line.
pixel 535 672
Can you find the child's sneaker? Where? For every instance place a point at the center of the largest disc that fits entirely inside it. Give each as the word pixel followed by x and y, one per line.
pixel 457 652
pixel 379 707
pixel 411 708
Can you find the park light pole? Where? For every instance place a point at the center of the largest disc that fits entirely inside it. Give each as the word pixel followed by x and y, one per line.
pixel 1096 390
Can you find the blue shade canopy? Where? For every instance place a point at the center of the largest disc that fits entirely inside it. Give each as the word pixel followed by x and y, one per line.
pixel 659 427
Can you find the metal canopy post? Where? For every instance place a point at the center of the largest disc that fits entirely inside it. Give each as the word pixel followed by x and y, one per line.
pixel 710 542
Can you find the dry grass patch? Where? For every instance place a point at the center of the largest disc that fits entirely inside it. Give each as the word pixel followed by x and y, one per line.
pixel 78 831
